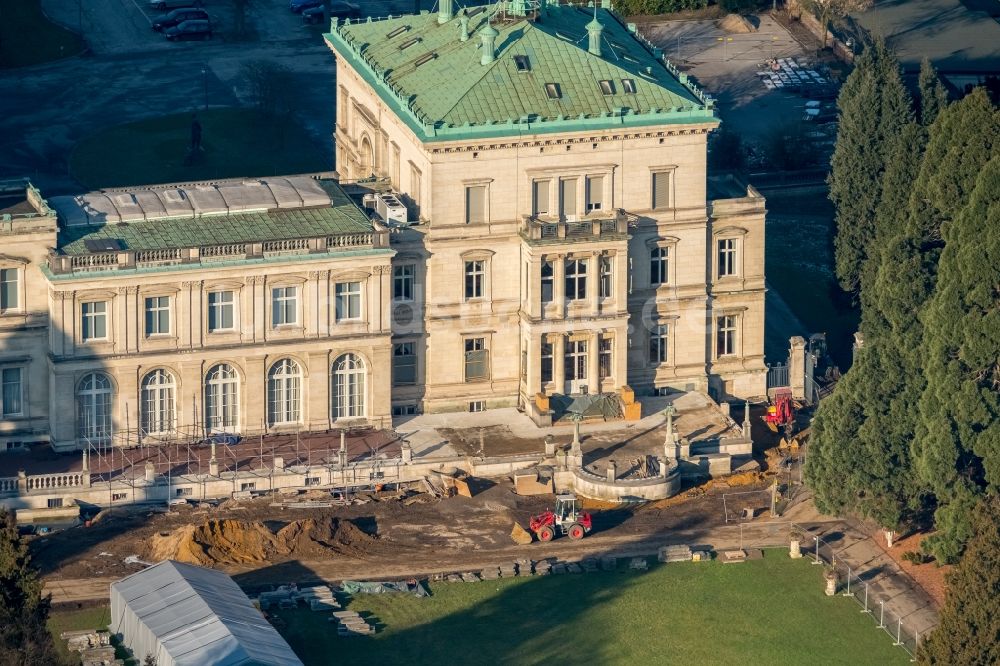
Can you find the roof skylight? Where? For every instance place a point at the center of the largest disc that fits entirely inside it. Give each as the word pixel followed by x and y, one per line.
pixel 628 85
pixel 553 91
pixel 607 87
pixel 398 31
pixel 427 57
pixel 522 63
pixel 408 43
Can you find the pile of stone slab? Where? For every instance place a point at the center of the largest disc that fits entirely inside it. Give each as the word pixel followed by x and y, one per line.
pixel 349 623
pixel 679 553
pixel 94 647
pixel 508 570
pixel 319 598
pixel 638 564
pixel 731 556
pixel 609 563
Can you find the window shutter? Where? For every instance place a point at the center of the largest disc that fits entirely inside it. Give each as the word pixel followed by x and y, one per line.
pixel 567 197
pixel 595 192
pixel 475 204
pixel 661 189
pixel 541 197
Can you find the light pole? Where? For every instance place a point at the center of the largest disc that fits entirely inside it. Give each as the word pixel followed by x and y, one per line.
pixel 204 82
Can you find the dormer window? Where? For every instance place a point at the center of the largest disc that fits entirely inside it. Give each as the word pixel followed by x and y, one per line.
pixel 552 91
pixel 607 87
pixel 522 63
pixel 628 85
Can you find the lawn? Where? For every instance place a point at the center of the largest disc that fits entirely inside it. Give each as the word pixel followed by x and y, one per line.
pixel 235 142
pixel 27 37
pixel 799 260
pixel 87 618
pixel 770 611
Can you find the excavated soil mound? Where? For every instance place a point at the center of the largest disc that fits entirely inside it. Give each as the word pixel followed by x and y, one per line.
pixel 249 542
pixel 736 24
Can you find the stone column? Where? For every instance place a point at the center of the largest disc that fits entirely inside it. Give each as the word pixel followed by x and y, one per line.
pixel 278 464
pixel 323 303
pixel 533 384
pixel 746 420
pixel 317 414
pixel 594 284
pixel 559 362
pixel 795 549
pixel 150 472
pixel 213 463
pixel 576 450
pixel 593 363
pixel 559 284
pixel 406 452
pixel 619 357
pixel 256 309
pixel 534 278
pixel 612 471
pixel 797 367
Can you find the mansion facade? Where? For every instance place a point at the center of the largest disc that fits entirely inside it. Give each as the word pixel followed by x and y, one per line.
pixel 540 222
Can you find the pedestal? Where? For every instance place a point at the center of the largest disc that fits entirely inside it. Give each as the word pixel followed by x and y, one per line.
pixel 795 549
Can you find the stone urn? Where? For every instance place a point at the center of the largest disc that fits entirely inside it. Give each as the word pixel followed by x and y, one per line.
pixel 795 549
pixel 831 582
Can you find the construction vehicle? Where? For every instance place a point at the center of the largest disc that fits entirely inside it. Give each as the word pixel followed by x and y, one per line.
pixel 781 412
pixel 567 518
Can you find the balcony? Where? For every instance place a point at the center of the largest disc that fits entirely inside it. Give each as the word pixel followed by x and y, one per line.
pixel 600 225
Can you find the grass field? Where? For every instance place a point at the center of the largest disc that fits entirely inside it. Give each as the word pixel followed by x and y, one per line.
pixel 236 142
pixel 27 37
pixel 86 618
pixel 800 267
pixel 770 611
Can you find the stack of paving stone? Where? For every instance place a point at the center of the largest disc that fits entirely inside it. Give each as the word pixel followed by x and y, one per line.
pixel 558 567
pixel 638 563
pixel 471 577
pixel 543 568
pixel 490 573
pixel 524 567
pixel 508 569
pixel 589 565
pixel 675 554
pixel 609 562
pixel 573 567
pixel 318 598
pixel 349 623
pixel 453 578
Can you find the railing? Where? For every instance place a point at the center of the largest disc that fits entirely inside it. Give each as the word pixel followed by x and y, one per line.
pixel 49 481
pixel 94 261
pixel 293 245
pixel 157 256
pixel 777 376
pixel 349 240
pixel 8 485
pixel 591 227
pixel 230 250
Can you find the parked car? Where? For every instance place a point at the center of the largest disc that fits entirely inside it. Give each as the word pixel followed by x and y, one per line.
pixel 341 10
pixel 299 6
pixel 160 5
pixel 169 20
pixel 193 29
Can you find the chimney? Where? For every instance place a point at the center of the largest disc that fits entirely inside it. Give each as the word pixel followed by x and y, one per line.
pixel 594 30
pixel 464 20
pixel 444 11
pixel 489 35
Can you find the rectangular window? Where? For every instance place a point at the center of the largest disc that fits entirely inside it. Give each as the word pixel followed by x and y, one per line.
pixel 475 275
pixel 186 491
pixel 659 265
pixel 284 306
pixel 546 374
pixel 547 281
pixel 477 406
pixel 567 197
pixel 220 310
pixel 727 257
pixel 607 277
pixel 595 193
pixel 725 335
pixel 404 364
pixel 402 282
pixel 477 360
pixel 9 292
pixel 12 392
pixel 404 410
pixel 54 502
pixel 661 189
pixel 248 486
pixel 348 300
pixel 540 197
pixel 95 320
pixel 312 480
pixel 576 279
pixel 605 348
pixel 575 360
pixel 658 338
pixel 475 204
pixel 158 315
pixel 416 185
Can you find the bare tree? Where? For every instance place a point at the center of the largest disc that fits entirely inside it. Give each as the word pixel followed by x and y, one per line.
pixel 828 10
pixel 270 86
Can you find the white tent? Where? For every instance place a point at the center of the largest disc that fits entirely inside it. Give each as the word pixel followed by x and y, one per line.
pixel 188 615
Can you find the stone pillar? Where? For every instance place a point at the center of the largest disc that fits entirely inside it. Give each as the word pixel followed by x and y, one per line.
pixel 670 438
pixel 664 464
pixel 150 472
pixel 576 451
pixel 213 463
pixel 559 362
pixel 342 452
pixel 831 582
pixel 22 482
pixel 612 471
pixel 795 549
pixel 534 278
pixel 533 372
pixel 593 363
pixel 406 451
pixel 256 310
pixel 797 367
pixel 278 463
pixel 746 420
pixel 594 284
pixel 559 284
pixel 85 470
pixel 550 446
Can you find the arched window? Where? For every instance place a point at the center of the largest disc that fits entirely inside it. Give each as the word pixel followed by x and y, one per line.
pixel 348 387
pixel 157 402
pixel 94 398
pixel 284 383
pixel 222 397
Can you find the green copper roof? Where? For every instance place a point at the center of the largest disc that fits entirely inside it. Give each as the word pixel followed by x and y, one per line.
pixel 438 85
pixel 342 216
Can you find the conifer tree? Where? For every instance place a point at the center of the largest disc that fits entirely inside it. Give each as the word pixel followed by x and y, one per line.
pixel 969 631
pixel 933 96
pixel 24 638
pixel 959 434
pixel 874 107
